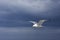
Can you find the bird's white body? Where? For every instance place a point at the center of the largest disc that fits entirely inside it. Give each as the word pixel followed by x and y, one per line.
pixel 35 25
pixel 39 24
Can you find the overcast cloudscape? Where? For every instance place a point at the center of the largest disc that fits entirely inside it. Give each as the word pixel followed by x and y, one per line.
pixel 16 14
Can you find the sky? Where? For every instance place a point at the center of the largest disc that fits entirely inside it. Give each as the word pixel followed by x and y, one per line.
pixel 16 14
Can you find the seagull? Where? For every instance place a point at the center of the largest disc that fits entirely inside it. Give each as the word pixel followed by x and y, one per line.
pixel 38 24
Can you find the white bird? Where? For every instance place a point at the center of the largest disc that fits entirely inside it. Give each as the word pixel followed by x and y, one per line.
pixel 38 24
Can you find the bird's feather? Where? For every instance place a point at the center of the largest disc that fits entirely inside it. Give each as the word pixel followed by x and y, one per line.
pixel 41 22
pixel 33 22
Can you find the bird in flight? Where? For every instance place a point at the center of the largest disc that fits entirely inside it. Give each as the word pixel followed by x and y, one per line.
pixel 38 24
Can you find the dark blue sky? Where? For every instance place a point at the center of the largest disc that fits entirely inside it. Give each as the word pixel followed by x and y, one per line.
pixel 16 14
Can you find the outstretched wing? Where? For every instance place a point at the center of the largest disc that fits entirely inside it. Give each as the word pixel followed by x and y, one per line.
pixel 33 22
pixel 41 22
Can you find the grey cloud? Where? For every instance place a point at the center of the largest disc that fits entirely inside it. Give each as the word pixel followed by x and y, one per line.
pixel 42 7
pixel 31 5
pixel 11 10
pixel 29 33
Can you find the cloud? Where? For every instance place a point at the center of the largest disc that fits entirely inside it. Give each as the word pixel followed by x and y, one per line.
pixel 39 7
pixel 31 5
pixel 25 33
pixel 30 29
pixel 43 8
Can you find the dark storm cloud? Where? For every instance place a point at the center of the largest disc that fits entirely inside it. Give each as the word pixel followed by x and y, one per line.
pixel 30 5
pixel 12 11
pixel 43 7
